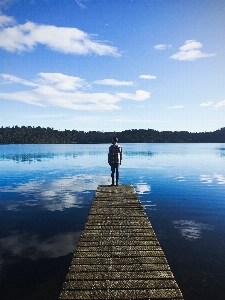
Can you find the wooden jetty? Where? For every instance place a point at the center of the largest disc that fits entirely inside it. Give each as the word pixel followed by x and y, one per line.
pixel 118 255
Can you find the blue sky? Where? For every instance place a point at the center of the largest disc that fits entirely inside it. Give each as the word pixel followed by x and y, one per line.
pixel 113 65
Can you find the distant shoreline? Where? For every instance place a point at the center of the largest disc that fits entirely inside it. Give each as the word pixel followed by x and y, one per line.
pixel 39 135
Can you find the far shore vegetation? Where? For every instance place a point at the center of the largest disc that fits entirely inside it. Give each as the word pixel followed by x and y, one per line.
pixel 39 135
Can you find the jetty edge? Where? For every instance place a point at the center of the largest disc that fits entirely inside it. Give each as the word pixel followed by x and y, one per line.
pixel 118 255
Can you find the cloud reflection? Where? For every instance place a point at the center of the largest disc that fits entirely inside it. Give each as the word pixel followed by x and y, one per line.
pixel 150 206
pixel 142 188
pixel 220 178
pixel 191 230
pixel 57 194
pixel 25 246
pixel 179 177
pixel 208 179
pixel 222 151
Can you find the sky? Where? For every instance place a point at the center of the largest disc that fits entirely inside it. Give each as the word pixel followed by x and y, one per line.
pixel 113 65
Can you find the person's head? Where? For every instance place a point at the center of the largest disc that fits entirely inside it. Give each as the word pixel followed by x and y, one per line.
pixel 115 140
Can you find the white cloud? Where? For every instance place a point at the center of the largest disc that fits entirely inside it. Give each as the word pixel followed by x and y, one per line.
pixel 57 80
pixel 219 104
pixel 162 46
pixel 190 51
pixel 59 90
pixel 147 77
pixel 206 104
pixel 13 79
pixel 190 45
pixel 140 95
pixel 49 96
pixel 61 81
pixel 63 39
pixel 5 20
pixel 114 82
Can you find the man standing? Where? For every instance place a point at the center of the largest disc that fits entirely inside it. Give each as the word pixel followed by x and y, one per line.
pixel 115 158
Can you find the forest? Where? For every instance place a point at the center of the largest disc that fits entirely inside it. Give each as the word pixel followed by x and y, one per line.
pixel 39 135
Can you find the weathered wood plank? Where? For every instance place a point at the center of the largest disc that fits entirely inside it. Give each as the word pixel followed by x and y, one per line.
pixel 118 254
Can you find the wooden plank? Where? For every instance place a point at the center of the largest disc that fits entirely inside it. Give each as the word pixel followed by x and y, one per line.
pixel 118 254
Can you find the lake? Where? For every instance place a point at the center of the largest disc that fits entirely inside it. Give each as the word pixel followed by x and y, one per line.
pixel 45 196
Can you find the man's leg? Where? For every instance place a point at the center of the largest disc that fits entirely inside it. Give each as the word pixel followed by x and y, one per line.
pixel 117 173
pixel 113 171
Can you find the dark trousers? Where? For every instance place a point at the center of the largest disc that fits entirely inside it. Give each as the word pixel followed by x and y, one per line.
pixel 115 168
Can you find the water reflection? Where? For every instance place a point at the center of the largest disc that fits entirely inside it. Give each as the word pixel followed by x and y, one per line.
pixel 191 230
pixel 33 247
pixel 55 194
pixel 142 188
pixel 28 157
pixel 40 153
pixel 139 153
pixel 208 179
pixel 220 178
pixel 222 151
pixel 147 205
pixel 179 177
pixel 46 192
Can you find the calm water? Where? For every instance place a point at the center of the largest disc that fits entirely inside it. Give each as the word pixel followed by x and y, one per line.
pixel 46 192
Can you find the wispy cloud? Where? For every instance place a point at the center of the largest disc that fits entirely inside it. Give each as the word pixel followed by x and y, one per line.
pixel 206 104
pixel 219 104
pixel 114 82
pixel 61 81
pixel 6 20
pixel 59 90
pixel 147 77
pixel 57 80
pixel 80 4
pixel 162 46
pixel 13 79
pixel 49 96
pixel 6 3
pixel 190 51
pixel 140 95
pixel 210 103
pixel 62 39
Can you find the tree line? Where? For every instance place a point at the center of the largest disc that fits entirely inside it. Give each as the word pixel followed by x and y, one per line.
pixel 39 135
